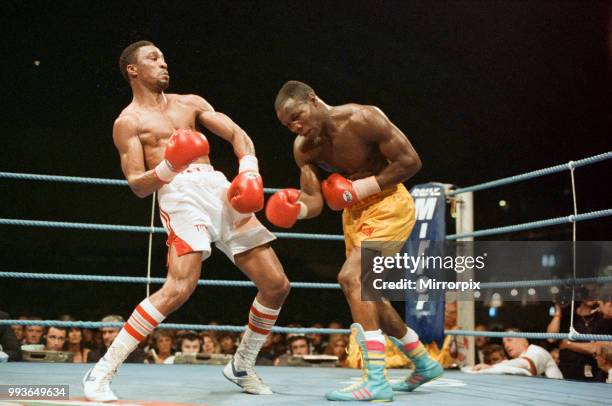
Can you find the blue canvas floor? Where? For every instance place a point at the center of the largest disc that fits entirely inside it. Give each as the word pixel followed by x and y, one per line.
pixel 204 384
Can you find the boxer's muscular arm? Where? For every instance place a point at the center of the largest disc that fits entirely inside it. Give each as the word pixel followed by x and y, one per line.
pixel 223 126
pixel 125 136
pixel 373 126
pixel 310 185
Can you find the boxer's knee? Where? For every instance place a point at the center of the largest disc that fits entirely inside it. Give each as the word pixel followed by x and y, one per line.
pixel 349 280
pixel 176 292
pixel 276 288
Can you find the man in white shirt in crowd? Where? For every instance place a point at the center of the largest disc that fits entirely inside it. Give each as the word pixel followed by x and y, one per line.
pixel 533 359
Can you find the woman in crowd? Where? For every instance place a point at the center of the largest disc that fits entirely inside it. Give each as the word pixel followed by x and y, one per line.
pixel 163 348
pixel 75 345
pixel 210 343
pixel 337 346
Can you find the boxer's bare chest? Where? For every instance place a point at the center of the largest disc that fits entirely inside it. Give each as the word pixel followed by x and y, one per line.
pixel 156 125
pixel 345 152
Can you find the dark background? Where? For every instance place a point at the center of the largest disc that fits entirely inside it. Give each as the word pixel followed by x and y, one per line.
pixel 482 89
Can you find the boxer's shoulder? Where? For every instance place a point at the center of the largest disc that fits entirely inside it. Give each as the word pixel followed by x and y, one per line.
pixel 192 99
pixel 363 115
pixel 305 151
pixel 128 119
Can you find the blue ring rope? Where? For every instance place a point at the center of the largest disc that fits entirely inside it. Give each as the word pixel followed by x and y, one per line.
pixel 534 174
pixel 533 225
pixel 78 179
pixel 156 280
pixel 329 237
pixel 482 186
pixel 307 236
pixel 303 330
pixel 306 285
pixel 143 229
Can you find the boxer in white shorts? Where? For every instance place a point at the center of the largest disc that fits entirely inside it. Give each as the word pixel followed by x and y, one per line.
pixel 195 212
pixel 160 150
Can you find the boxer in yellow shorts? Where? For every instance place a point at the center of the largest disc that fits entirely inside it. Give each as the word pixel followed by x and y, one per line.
pixel 369 158
pixel 385 216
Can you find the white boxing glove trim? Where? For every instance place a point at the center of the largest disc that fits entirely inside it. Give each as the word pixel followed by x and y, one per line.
pixel 366 187
pixel 164 172
pixel 248 163
pixel 303 210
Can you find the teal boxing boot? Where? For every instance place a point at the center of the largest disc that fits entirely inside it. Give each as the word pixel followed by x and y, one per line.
pixel 426 369
pixel 373 385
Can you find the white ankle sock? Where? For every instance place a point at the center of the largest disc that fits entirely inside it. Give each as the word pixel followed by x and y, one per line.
pixel 261 321
pixel 410 337
pixel 375 335
pixel 141 323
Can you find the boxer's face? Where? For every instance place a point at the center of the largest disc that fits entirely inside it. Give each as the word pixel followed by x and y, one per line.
pixel 301 117
pixel 151 68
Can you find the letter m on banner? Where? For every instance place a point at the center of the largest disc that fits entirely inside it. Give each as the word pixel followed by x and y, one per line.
pixel 425 309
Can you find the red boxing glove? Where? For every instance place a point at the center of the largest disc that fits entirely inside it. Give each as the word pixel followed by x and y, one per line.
pixel 183 147
pixel 246 194
pixel 284 208
pixel 340 192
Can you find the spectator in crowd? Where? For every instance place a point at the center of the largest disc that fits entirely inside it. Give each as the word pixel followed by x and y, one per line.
pixel 454 348
pixel 91 338
pixel 228 344
pixel 278 340
pixel 213 333
pixel 605 308
pixel 189 343
pixel 317 343
pixel 299 345
pixel 75 345
pixel 480 342
pixel 33 334
pixel 210 344
pixel 493 354
pixel 55 339
pixel 532 359
pixel 603 356
pixel 337 346
pixel 576 358
pixel 19 330
pixel 108 335
pixel 270 351
pixel 336 325
pixel 554 353
pixel 74 341
pixel 163 348
pixel 9 343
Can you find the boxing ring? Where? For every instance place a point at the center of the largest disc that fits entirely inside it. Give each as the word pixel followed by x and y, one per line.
pixel 204 384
